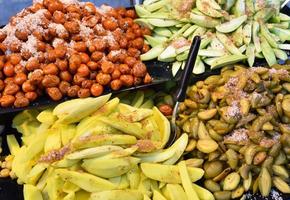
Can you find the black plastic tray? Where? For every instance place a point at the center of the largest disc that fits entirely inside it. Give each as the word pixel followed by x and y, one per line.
pixel 160 72
pixel 10 190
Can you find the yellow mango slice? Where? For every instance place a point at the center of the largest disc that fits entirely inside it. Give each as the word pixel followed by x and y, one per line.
pixel 31 192
pixel 85 181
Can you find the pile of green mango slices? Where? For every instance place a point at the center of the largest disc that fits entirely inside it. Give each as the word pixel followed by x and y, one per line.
pixel 231 30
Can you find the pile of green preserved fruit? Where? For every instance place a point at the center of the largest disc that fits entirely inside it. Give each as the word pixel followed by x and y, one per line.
pixel 238 124
pixel 232 31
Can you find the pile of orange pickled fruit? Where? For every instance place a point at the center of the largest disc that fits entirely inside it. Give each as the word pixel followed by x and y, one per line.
pixel 67 48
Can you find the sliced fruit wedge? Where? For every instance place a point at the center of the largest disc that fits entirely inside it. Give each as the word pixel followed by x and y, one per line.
pixel 169 52
pixel 163 22
pixel 231 25
pixel 211 52
pixel 250 52
pixel 175 67
pixel 144 23
pixel 163 125
pixel 141 11
pixel 204 21
pixel 226 60
pixel 227 42
pixel 268 52
pixel 205 8
pixel 282 55
pixel 152 53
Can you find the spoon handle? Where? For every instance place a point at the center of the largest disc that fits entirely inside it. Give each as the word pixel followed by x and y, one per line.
pixel 185 79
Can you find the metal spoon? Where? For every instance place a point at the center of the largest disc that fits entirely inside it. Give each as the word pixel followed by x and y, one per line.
pixel 184 81
pixel 285 3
